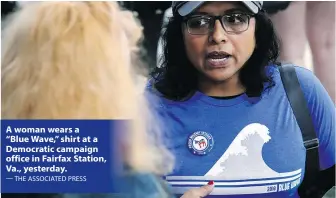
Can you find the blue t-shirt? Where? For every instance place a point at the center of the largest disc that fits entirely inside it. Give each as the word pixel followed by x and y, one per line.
pixel 249 147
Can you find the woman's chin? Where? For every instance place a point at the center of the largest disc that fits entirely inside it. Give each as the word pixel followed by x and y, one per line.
pixel 219 75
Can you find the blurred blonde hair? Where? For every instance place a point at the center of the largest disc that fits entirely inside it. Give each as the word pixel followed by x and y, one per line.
pixel 72 60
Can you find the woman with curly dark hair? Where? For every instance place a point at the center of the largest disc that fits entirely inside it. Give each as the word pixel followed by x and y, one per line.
pixel 227 116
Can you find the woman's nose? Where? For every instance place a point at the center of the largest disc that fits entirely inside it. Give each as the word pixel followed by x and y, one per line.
pixel 218 35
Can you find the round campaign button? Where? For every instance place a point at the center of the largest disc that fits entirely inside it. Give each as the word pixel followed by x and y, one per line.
pixel 200 143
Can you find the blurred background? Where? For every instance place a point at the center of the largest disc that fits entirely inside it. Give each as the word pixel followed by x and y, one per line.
pixel 306 30
pixel 151 15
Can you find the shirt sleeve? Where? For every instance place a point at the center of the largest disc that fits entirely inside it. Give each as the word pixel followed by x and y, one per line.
pixel 322 110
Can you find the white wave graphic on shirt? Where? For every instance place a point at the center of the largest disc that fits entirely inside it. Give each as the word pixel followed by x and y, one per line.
pixel 245 154
pixel 241 169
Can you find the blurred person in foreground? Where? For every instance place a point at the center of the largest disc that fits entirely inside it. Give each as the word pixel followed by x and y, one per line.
pixel 78 60
pixel 225 108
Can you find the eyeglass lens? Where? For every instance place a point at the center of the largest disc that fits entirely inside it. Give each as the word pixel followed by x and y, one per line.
pixel 233 23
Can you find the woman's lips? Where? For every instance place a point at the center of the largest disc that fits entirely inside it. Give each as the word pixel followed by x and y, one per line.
pixel 218 59
pixel 218 62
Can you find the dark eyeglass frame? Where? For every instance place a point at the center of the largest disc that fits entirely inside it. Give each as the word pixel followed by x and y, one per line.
pixel 213 20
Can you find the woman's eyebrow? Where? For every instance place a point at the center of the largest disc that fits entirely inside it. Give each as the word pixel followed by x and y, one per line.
pixel 234 10
pixel 201 13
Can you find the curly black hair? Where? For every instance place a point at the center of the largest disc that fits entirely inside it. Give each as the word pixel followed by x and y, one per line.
pixel 176 78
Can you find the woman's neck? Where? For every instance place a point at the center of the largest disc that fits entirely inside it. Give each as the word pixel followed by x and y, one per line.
pixel 230 87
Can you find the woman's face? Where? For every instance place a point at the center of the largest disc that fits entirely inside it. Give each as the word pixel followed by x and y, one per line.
pixel 219 55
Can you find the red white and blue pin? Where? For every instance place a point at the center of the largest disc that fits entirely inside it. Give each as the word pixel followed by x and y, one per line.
pixel 200 143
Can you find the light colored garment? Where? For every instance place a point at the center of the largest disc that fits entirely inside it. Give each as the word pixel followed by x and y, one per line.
pixel 167 14
pixel 134 186
pixel 331 193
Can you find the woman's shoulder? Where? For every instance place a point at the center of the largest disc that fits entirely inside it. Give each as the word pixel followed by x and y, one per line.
pixel 150 87
pixel 155 99
pixel 307 79
pixel 317 98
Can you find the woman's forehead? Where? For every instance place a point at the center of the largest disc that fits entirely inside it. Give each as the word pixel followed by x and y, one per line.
pixel 220 7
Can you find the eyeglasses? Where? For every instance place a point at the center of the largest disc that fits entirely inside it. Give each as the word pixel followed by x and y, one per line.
pixel 204 24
